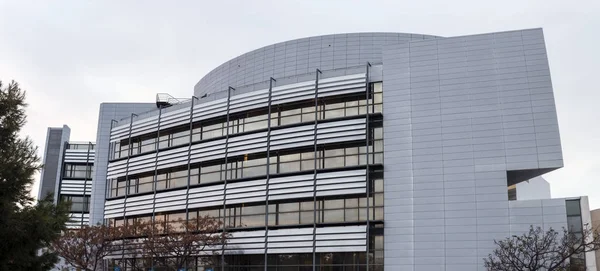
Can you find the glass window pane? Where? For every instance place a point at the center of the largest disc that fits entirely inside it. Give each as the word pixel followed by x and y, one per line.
pixel 379 199
pixel 307 205
pixel 288 219
pixel 573 207
pixel 378 87
pixel 255 162
pixel 145 187
pixel 378 185
pixel 330 216
pixel 210 177
pixel 308 117
pixel 252 210
pixel 290 120
pixel 378 213
pixel 288 207
pixel 289 157
pixel 351 203
pixel 289 167
pixel 290 112
pixel 308 155
pixel 353 150
pixel 254 171
pixel 351 214
pixel 334 113
pixel 334 152
pixel 306 217
pixel 161 185
pixel 352 160
pixel 362 213
pixel 378 98
pixel 253 220
pixel 334 106
pixel 334 162
pixel 334 204
pixel 308 165
pixel 352 111
pixel 272 219
pixel 178 182
pixel 574 223
pixel 255 125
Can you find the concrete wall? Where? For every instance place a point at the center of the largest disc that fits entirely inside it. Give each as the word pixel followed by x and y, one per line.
pixel 463 117
pixel 52 161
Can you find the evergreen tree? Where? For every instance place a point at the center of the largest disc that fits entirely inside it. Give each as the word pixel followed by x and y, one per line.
pixel 26 229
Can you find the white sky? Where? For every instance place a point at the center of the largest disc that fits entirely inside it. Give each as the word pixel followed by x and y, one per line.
pixel 73 56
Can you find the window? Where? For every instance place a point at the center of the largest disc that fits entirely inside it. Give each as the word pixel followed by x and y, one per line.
pixel 77 171
pixel 573 207
pixel 300 112
pixel 78 203
pixel 75 146
pixel 512 192
pixel 253 166
pixel 575 226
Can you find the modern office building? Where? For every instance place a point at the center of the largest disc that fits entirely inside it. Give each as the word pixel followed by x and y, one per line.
pixel 368 151
pixel 67 173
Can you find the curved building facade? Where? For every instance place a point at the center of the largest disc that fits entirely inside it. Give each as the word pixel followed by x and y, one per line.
pixel 369 151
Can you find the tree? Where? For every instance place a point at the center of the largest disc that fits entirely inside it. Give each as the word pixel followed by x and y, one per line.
pixel 175 244
pixel 25 228
pixel 172 245
pixel 540 250
pixel 86 248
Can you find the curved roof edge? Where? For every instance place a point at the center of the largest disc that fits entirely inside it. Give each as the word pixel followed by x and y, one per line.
pixel 300 56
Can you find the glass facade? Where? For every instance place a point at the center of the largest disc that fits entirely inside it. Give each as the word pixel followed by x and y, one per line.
pixel 327 157
pixel 281 115
pixel 336 210
pixel 329 210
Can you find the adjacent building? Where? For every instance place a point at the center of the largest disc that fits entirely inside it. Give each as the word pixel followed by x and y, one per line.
pixel 367 151
pixel 67 173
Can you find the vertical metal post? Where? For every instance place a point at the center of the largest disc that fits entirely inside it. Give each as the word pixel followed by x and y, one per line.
pixel 268 172
pixel 187 198
pixel 87 164
pixel 225 185
pixel 368 178
pixel 107 185
pixel 155 178
pixel 314 254
pixel 187 194
pixel 57 195
pixel 129 151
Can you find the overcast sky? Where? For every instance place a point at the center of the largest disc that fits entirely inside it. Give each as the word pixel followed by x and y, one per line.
pixel 72 55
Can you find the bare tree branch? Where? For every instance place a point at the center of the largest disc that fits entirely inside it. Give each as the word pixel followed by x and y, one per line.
pixel 543 250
